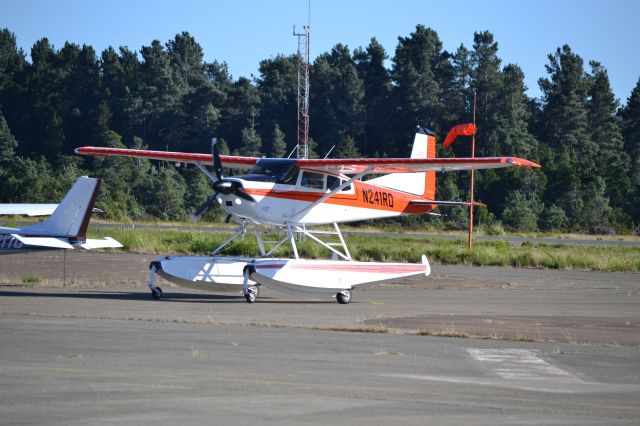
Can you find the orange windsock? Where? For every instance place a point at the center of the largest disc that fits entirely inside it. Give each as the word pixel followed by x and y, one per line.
pixel 459 130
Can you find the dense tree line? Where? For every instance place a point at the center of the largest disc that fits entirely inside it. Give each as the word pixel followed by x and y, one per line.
pixel 166 97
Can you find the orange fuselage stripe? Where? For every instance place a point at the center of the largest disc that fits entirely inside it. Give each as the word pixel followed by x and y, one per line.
pixel 365 196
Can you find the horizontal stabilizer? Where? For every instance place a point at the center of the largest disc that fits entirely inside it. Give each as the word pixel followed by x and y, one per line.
pixel 445 203
pixel 107 242
pixel 44 242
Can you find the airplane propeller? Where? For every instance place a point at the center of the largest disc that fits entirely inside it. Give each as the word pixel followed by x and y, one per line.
pixel 215 154
pixel 222 185
pixel 227 187
pixel 203 208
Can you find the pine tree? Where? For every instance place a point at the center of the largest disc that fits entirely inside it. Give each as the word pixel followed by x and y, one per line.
pixel 631 133
pixel 570 161
pixel 336 99
pixel 348 149
pixel 84 112
pixel 186 58
pixel 12 64
pixel 522 212
pixel 447 189
pixel 251 143
pixel 486 81
pixel 613 162
pixel 8 144
pixel 278 146
pixel 463 67
pixel 119 91
pixel 160 93
pixel 277 86
pixel 565 107
pixel 416 93
pixel 512 131
pixel 165 195
pixel 553 218
pixel 241 110
pixel 377 93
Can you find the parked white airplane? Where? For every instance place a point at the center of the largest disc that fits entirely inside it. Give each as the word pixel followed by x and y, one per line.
pixel 66 228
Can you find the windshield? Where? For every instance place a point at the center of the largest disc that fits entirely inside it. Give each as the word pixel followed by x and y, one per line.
pixel 283 170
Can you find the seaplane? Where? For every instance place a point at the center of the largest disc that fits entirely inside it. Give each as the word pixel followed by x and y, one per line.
pixel 65 228
pixel 296 196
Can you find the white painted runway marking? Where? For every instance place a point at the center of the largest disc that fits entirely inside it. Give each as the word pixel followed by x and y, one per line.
pixel 520 364
pixel 521 369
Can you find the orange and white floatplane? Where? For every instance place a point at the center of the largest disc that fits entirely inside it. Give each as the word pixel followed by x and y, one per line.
pixel 295 195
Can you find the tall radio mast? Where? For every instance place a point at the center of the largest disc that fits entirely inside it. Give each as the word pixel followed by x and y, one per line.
pixel 302 147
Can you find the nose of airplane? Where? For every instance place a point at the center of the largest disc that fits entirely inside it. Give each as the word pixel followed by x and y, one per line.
pixel 228 186
pixel 225 186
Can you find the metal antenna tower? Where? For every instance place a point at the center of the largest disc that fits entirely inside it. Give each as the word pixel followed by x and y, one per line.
pixel 302 147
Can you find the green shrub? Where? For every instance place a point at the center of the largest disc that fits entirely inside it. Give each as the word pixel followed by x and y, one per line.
pixel 30 279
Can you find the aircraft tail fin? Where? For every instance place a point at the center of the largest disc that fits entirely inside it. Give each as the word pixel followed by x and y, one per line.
pixel 422 184
pixel 71 218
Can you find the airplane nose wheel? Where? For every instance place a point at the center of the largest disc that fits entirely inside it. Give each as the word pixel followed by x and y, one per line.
pixel 344 297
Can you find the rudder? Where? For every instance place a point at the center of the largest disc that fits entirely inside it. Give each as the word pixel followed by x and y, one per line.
pixel 422 184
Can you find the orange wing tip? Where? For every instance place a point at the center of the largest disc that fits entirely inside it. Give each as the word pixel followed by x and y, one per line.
pixel 522 162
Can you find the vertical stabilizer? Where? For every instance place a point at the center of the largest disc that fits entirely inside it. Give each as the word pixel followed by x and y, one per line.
pixel 421 184
pixel 71 218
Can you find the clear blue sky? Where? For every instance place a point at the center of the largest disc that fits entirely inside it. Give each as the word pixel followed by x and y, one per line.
pixel 243 32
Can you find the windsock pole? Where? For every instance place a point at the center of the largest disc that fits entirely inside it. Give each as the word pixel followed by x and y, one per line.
pixel 473 154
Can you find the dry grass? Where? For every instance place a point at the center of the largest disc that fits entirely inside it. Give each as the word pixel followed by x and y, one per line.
pixel 352 329
pixel 393 249
pixel 452 332
pixel 448 332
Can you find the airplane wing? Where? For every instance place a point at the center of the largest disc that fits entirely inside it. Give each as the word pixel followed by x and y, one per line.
pixel 27 209
pixel 346 166
pixel 230 161
pixel 352 166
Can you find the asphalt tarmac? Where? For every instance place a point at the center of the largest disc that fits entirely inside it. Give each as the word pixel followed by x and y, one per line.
pixel 550 347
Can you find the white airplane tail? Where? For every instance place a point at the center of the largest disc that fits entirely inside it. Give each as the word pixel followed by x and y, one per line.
pixel 421 184
pixel 71 218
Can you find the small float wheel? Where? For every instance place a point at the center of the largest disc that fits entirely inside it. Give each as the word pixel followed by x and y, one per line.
pixel 252 294
pixel 156 293
pixel 344 297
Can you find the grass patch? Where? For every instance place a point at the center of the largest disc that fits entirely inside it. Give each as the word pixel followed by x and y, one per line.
pixel 449 332
pixel 353 329
pixel 30 279
pixel 380 248
pixel 452 332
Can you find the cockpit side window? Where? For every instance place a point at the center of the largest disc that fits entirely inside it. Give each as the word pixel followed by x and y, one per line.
pixel 291 177
pixel 333 182
pixel 281 170
pixel 312 180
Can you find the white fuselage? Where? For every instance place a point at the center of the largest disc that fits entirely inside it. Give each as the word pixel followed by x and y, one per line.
pixel 280 204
